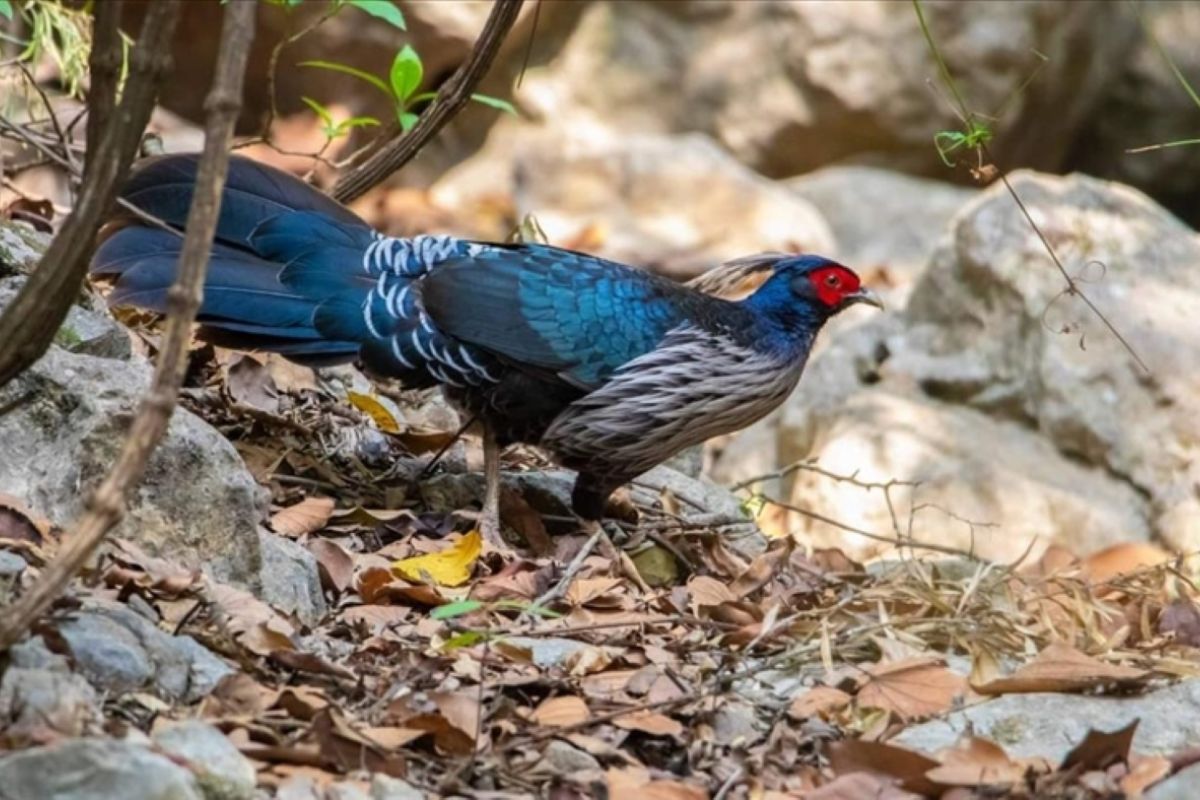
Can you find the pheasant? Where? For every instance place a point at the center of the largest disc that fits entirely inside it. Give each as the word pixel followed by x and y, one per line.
pixel 611 370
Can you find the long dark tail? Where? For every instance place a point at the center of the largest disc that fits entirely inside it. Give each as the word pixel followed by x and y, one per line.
pixel 282 249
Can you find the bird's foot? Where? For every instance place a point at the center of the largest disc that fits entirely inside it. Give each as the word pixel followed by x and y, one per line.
pixel 489 529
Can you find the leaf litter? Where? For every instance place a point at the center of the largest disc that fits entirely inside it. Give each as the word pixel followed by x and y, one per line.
pixel 780 676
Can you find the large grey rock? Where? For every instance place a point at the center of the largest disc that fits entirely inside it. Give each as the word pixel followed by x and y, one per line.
pixel 789 87
pixel 1049 725
pixel 1183 785
pixel 83 331
pixel 221 771
pixel 20 248
pixel 118 650
pixel 679 204
pixel 197 504
pixel 94 769
pixel 976 392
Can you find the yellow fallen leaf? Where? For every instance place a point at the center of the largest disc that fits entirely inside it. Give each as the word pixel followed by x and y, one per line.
pixel 383 418
pixel 449 567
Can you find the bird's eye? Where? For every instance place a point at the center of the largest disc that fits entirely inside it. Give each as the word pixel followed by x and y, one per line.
pixel 833 281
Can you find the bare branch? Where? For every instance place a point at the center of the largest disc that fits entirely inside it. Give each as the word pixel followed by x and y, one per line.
pixel 451 97
pixel 107 504
pixel 28 324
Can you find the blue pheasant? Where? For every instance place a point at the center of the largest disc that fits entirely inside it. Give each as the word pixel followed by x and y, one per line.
pixel 610 369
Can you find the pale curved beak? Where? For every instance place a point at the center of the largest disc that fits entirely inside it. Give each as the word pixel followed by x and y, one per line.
pixel 863 295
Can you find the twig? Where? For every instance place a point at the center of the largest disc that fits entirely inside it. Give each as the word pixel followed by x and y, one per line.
pixel 564 583
pixel 106 506
pixel 452 96
pixel 28 324
pixel 104 68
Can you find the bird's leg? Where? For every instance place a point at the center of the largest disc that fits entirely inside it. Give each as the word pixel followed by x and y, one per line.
pixel 489 516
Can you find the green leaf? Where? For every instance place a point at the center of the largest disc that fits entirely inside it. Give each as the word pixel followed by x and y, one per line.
pixel 321 111
pixel 357 122
pixel 333 66
pixel 456 609
pixel 407 73
pixel 464 639
pixel 407 120
pixel 383 9
pixel 494 102
pixel 6 9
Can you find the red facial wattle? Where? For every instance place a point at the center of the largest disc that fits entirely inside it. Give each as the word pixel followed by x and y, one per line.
pixel 833 284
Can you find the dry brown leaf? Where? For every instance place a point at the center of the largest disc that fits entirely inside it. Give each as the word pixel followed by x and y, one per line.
pixel 562 712
pixel 308 516
pixel 516 512
pixel 256 625
pixel 908 767
pixel 1123 558
pixel 249 383
pixel 1100 749
pixel 706 591
pixel 594 591
pixel 819 701
pixel 454 723
pixel 376 618
pixel 349 749
pixel 18 523
pixel 334 564
pixel 858 786
pixel 650 722
pixel 309 662
pixel 763 568
pixel 1062 668
pixel 976 762
pixel 636 782
pixel 913 688
pixel 1144 772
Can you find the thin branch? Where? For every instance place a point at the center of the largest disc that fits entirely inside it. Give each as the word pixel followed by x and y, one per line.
pixel 104 66
pixel 451 97
pixel 106 506
pixel 28 324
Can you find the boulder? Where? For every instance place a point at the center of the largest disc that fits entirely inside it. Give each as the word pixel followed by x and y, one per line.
pixel 1012 405
pixel 197 503
pixel 1048 725
pixel 678 204
pixel 86 769
pixel 843 81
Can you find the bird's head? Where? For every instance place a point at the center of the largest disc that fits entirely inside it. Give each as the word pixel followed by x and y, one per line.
pixel 803 290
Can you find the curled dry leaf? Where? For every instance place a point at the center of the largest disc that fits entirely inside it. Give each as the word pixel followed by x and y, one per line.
pixel 1100 750
pixel 562 712
pixel 334 564
pixel 308 516
pixel 636 782
pixel 976 762
pixel 1144 772
pixel 453 721
pixel 706 591
pixel 859 785
pixel 20 524
pixel 820 701
pixel 1181 620
pixel 764 567
pixel 913 688
pixel 1062 668
pixel 1119 559
pixel 348 749
pixel 257 626
pixel 907 767
pixel 650 722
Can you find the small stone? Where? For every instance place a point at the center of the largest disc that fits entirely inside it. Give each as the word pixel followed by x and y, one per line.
pixel 385 787
pixel 11 564
pixel 221 771
pixel 90 769
pixel 733 724
pixel 564 759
